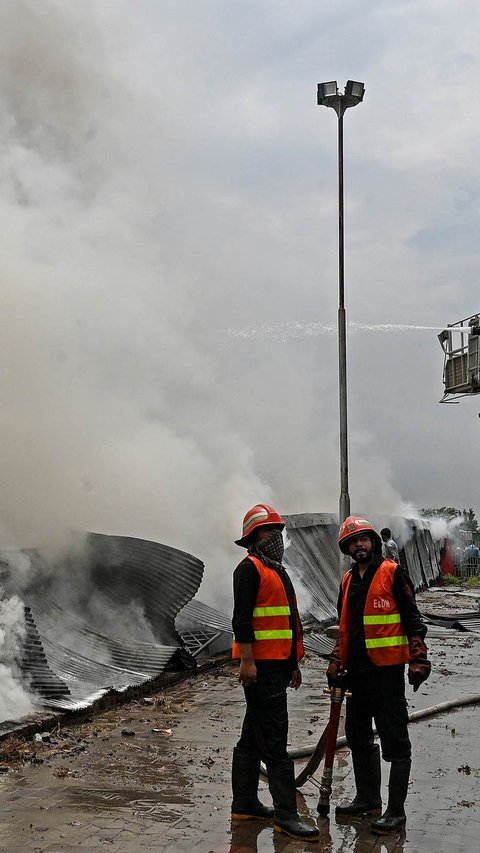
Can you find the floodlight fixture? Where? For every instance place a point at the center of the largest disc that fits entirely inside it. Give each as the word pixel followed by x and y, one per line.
pixel 326 90
pixel 328 95
pixel 355 89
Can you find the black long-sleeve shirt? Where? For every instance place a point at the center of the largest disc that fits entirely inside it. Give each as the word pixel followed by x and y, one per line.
pixel 246 583
pixel 404 594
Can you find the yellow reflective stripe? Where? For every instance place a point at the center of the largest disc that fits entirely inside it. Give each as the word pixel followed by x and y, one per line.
pixel 273 635
pixel 282 610
pixel 386 641
pixel 386 619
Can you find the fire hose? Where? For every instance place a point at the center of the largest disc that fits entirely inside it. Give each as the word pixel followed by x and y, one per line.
pixel 337 694
pixel 317 752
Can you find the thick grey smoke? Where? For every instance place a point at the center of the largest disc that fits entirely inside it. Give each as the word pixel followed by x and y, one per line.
pixel 111 416
pixel 15 699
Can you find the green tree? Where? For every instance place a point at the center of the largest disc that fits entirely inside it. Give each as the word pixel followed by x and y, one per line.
pixel 468 522
pixel 471 522
pixel 440 512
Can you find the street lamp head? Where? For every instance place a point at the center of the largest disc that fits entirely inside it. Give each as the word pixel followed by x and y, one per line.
pixel 329 96
pixel 326 90
pixel 355 89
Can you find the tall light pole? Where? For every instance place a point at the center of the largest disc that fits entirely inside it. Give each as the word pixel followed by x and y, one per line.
pixel 329 96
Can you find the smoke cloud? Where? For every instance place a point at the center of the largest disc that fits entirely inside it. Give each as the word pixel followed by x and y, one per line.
pixel 15 700
pixel 111 418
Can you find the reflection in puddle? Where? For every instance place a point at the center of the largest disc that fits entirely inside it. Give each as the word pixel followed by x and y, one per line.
pixel 139 802
pixel 255 837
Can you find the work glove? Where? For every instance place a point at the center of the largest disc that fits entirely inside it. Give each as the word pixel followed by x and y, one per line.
pixel 419 666
pixel 333 668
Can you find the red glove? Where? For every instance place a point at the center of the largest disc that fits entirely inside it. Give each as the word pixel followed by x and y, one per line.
pixel 334 665
pixel 419 666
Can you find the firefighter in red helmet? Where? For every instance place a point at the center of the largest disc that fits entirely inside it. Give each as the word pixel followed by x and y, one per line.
pixel 268 643
pixel 380 631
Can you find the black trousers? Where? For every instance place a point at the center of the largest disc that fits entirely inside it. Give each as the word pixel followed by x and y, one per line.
pixel 265 726
pixel 378 695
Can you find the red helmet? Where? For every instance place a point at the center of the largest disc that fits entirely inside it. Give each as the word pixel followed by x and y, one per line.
pixel 258 516
pixel 353 526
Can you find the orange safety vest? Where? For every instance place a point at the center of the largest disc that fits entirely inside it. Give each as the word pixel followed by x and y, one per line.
pixel 385 638
pixel 271 619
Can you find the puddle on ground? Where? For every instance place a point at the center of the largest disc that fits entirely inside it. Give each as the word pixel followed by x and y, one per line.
pixel 137 801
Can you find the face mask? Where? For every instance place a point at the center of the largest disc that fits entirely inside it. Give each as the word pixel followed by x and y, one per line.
pixel 272 546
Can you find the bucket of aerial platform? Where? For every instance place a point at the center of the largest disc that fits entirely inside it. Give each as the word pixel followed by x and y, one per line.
pixel 460 343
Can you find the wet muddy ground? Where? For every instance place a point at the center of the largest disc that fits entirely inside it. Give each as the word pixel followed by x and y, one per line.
pixel 154 774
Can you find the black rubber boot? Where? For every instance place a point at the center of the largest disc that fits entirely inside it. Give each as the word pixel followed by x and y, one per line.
pixel 245 775
pixel 367 772
pixel 394 817
pixel 281 781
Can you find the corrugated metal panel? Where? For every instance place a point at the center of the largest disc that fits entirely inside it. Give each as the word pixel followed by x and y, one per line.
pixel 161 578
pixel 413 564
pixel 470 625
pixel 87 660
pixel 433 556
pixel 200 626
pixel 461 621
pixel 313 560
pixel 115 572
pixel 41 678
pixel 418 554
pixel 320 644
pixel 420 538
pixel 201 614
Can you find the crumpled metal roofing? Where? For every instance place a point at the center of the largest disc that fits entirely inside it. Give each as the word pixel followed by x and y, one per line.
pixel 105 614
pixel 319 644
pixel 460 621
pixel 197 612
pixel 102 617
pixel 200 626
pixel 34 662
pixel 420 555
pixel 313 560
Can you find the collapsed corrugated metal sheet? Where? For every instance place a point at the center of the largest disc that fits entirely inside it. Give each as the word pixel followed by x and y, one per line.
pixel 201 626
pixel 198 613
pixel 89 662
pixel 313 560
pixel 104 612
pixel 419 554
pixel 457 591
pixel 102 616
pixel 34 662
pixel 460 621
pixel 319 644
pixel 432 565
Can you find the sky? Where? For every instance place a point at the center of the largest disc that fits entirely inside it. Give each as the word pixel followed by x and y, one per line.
pixel 168 202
